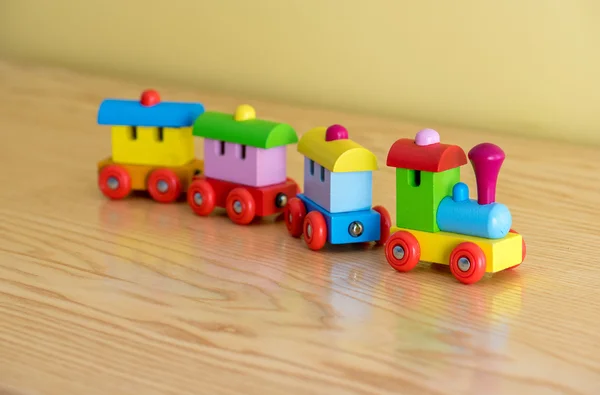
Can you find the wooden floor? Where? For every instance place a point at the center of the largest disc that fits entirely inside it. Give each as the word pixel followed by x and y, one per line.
pixel 133 297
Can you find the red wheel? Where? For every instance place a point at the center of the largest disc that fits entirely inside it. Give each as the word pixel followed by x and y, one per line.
pixel 201 197
pixel 164 185
pixel 402 251
pixel 114 182
pixel 294 214
pixel 385 225
pixel 467 263
pixel 240 206
pixel 315 230
pixel 523 251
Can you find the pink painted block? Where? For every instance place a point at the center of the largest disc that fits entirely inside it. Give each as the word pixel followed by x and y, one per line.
pixel 258 167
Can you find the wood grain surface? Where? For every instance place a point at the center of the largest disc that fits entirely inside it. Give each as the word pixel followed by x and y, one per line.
pixel 133 297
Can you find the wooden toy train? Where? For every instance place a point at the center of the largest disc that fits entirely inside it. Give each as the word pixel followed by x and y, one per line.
pixel 244 171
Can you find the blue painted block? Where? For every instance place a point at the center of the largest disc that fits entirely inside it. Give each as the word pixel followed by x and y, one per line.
pixel 459 214
pixel 338 224
pixel 338 192
pixel 117 112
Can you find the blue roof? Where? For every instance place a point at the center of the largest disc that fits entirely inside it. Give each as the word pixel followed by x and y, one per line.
pixel 120 112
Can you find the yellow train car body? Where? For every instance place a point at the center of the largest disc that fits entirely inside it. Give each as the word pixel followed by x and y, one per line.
pixel 155 146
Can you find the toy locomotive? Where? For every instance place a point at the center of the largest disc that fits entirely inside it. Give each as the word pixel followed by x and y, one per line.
pixel 435 219
pixel 244 171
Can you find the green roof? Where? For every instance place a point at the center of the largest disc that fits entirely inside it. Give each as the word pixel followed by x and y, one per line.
pixel 244 129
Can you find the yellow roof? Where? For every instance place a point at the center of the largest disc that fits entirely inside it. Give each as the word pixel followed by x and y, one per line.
pixel 339 154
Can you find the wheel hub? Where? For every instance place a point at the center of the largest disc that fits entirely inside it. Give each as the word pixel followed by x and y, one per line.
pixel 309 230
pixel 398 252
pixel 237 206
pixel 464 264
pixel 162 186
pixel 355 229
pixel 112 183
pixel 281 200
pixel 198 198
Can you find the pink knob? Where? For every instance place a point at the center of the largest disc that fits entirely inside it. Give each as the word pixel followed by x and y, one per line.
pixel 336 132
pixel 486 159
pixel 427 137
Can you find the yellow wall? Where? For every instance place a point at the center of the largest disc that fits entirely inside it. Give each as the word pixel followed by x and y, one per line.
pixel 526 66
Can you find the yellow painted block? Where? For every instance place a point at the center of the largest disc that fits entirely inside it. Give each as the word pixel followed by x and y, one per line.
pixel 338 156
pixel 150 146
pixel 500 254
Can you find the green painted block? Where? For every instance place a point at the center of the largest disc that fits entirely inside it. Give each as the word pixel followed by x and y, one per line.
pixel 257 133
pixel 418 195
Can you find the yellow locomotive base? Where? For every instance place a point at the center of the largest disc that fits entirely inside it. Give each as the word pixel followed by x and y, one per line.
pixel 139 173
pixel 500 254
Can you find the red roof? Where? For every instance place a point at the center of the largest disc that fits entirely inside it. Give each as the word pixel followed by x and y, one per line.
pixel 405 154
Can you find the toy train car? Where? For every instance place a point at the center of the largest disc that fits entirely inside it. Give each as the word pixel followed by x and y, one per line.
pixel 338 184
pixel 244 166
pixel 435 219
pixel 152 147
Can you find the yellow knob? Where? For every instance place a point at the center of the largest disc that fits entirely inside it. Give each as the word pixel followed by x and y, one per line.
pixel 244 113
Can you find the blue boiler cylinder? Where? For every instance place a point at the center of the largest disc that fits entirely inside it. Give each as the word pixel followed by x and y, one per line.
pixel 459 214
